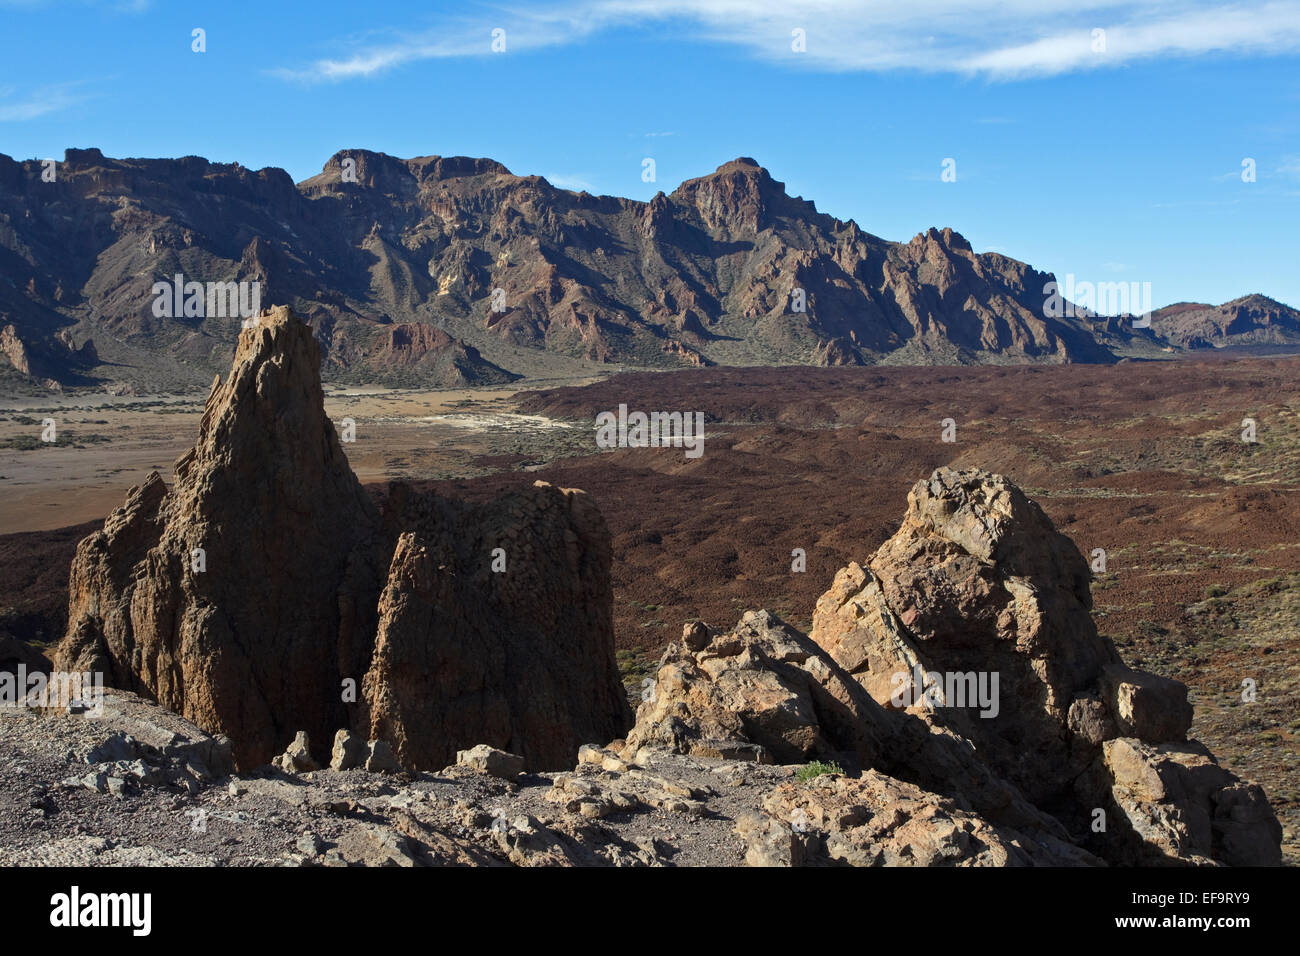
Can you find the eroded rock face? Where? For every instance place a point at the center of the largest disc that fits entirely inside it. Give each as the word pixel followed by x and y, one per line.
pixel 254 644
pixel 978 585
pixel 521 658
pixel 247 596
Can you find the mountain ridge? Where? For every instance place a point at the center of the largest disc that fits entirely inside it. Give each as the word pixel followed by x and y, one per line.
pixel 440 270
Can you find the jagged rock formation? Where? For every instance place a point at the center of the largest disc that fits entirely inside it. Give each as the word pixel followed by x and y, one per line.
pixel 767 693
pixel 305 586
pixel 895 682
pixel 978 584
pixel 376 252
pixel 248 597
pixel 975 581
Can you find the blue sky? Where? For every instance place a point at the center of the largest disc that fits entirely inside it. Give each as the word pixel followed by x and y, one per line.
pixel 1122 163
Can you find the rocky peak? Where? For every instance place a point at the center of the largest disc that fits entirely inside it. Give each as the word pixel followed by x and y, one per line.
pixel 737 197
pixel 941 241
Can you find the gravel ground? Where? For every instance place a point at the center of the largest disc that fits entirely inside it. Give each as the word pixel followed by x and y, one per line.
pixel 162 805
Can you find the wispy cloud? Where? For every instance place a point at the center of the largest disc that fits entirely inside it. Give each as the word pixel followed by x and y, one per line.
pixel 575 183
pixel 39 102
pixel 997 39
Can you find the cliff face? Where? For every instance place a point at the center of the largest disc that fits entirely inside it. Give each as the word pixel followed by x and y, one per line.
pixel 386 257
pixel 248 597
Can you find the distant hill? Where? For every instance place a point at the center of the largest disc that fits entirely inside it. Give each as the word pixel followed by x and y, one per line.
pixel 1250 320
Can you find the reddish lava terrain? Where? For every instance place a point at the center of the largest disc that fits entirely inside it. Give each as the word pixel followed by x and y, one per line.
pixel 1145 460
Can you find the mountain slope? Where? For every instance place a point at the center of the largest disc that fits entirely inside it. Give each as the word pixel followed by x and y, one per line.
pixel 451 270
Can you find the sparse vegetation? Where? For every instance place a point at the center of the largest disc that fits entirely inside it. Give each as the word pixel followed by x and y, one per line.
pixel 816 769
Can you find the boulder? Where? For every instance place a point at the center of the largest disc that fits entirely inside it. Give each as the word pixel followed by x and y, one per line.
pixel 491 761
pixel 761 692
pixel 380 758
pixel 1152 708
pixel 349 751
pixel 1169 804
pixel 297 756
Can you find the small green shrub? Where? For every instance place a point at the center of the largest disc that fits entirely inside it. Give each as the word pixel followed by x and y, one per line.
pixel 816 769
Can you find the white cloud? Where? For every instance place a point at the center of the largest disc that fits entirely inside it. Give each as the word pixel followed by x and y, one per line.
pixel 998 39
pixel 574 183
pixel 38 103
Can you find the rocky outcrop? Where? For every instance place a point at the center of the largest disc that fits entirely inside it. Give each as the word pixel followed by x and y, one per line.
pixel 876 820
pixel 764 692
pixel 12 348
pixel 977 583
pixel 959 682
pixel 975 618
pixel 237 598
pixel 496 626
pixel 248 597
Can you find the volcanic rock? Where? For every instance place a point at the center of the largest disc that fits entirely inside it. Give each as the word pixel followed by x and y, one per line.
pixel 248 596
pixel 876 820
pixel 349 751
pixel 489 760
pixel 1173 804
pixel 399 268
pixel 233 598
pixel 762 692
pixel 977 584
pixel 520 658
